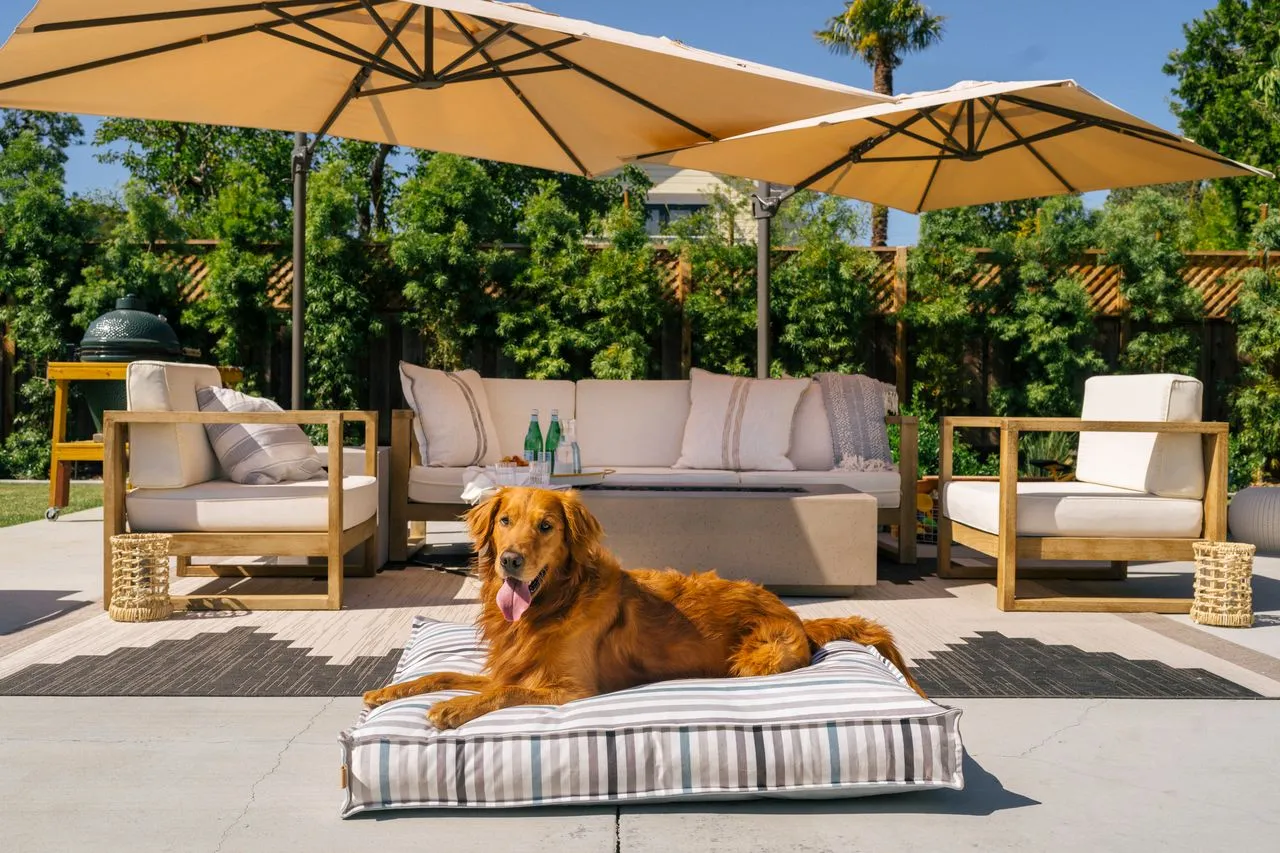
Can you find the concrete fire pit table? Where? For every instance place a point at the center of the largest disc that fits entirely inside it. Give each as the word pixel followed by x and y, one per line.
pixel 809 540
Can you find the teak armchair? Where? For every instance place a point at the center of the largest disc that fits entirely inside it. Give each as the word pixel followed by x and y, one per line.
pixel 1151 480
pixel 176 489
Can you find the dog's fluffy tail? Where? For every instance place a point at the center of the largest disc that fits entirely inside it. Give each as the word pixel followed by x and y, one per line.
pixel 859 630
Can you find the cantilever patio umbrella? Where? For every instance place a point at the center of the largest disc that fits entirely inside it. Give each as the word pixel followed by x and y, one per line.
pixel 474 77
pixel 973 143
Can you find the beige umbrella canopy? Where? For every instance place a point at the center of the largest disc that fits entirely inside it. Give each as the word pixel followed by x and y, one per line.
pixel 473 77
pixel 973 143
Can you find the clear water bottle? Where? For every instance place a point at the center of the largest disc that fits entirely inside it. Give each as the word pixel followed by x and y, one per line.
pixel 553 438
pixel 533 439
pixel 564 453
pixel 573 444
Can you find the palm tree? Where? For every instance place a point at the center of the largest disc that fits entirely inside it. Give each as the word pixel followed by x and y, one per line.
pixel 881 33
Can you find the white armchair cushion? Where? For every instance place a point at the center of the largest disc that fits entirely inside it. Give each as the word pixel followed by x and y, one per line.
pixel 740 424
pixel 452 421
pixel 638 423
pixel 221 506
pixel 1075 509
pixel 169 456
pixel 257 454
pixel 1171 466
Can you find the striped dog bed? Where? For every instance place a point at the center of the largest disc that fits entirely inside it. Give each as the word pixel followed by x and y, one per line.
pixel 845 726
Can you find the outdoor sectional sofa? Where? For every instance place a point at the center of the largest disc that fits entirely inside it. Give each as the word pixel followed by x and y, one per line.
pixel 636 428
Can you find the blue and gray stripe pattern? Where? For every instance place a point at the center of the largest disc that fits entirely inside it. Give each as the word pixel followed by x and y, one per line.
pixel 845 726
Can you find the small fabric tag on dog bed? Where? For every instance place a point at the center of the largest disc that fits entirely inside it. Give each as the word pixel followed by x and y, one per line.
pixel 847 725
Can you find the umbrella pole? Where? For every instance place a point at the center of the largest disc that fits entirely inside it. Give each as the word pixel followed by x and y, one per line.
pixel 764 211
pixel 301 165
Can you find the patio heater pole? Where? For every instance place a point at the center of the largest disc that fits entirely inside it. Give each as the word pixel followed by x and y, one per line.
pixel 298 364
pixel 764 207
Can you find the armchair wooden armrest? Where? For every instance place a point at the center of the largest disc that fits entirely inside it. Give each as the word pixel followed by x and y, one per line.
pixel 908 473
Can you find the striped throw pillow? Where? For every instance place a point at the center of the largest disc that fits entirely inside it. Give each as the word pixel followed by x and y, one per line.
pixel 257 454
pixel 739 424
pixel 845 726
pixel 452 422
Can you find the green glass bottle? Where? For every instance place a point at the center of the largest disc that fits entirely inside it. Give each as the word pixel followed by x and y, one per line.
pixel 533 439
pixel 553 437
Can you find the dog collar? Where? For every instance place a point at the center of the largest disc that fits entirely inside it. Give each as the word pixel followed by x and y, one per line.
pixel 536 583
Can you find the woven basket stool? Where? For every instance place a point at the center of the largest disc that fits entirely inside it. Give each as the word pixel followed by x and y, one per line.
pixel 140 577
pixel 1224 584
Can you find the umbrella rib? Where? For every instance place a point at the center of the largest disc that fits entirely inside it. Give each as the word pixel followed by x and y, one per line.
pixel 268 28
pixel 609 84
pixel 520 96
pixel 1043 162
pixel 933 173
pixel 361 78
pixel 1070 127
pixel 499 74
pixel 1067 112
pixel 515 57
pixel 948 133
pixel 175 15
pixel 478 47
pixel 381 63
pixel 337 54
pixel 382 24
pixel 901 129
pixel 986 123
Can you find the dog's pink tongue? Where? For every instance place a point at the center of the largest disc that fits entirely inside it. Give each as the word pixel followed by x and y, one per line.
pixel 513 599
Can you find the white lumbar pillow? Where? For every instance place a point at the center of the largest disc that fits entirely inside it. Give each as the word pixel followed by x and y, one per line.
pixel 452 424
pixel 257 454
pixel 740 424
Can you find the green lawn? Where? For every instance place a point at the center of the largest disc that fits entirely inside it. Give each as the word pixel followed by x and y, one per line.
pixel 27 502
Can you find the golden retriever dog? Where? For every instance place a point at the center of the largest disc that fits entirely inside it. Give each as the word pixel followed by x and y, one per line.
pixel 563 620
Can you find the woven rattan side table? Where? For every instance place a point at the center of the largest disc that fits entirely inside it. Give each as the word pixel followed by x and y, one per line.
pixel 140 577
pixel 1224 584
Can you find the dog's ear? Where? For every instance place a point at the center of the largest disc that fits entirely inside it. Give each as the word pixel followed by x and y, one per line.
pixel 582 531
pixel 480 521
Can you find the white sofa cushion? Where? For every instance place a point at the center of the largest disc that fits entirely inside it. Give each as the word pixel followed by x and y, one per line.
pixel 169 456
pixel 221 506
pixel 884 486
pixel 1075 509
pixel 452 419
pixel 811 446
pixel 1171 466
pixel 631 422
pixel 511 401
pixel 738 423
pixel 257 454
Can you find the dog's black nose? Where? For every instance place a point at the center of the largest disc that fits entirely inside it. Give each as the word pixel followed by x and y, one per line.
pixel 511 561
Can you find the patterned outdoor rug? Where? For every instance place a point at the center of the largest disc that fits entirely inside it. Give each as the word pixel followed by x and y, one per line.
pixel 961 647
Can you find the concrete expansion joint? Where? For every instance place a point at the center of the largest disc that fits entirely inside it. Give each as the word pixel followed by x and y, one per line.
pixel 253 791
pixel 1079 721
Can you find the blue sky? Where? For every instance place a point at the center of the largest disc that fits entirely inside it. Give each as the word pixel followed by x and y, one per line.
pixel 1115 48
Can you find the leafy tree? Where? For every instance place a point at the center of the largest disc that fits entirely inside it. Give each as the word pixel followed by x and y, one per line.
pixel 1256 399
pixel 135 258
pixel 881 33
pixel 540 326
pixel 621 300
pixel 823 295
pixel 945 311
pixel 41 240
pixel 237 313
pixel 55 131
pixel 1145 238
pixel 444 217
pixel 340 314
pixel 374 181
pixel 721 303
pixel 1217 74
pixel 1046 327
pixel 194 163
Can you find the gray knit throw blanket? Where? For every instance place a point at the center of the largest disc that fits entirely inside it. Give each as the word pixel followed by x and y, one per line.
pixel 856 407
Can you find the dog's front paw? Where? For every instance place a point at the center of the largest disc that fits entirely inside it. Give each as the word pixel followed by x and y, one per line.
pixel 452 713
pixel 376 698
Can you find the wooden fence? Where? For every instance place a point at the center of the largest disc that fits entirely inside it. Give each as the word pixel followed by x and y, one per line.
pixel 1215 275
